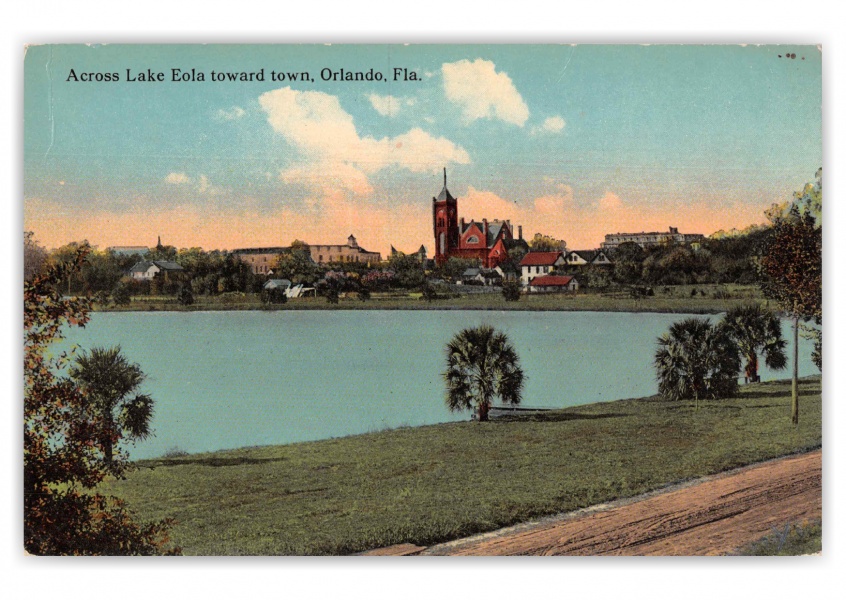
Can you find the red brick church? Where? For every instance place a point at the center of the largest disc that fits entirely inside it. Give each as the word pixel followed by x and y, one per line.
pixel 483 240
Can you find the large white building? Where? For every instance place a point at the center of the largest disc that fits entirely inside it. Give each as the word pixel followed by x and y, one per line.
pixel 651 238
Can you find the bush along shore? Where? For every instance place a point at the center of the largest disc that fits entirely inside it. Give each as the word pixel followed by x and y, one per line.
pixel 435 483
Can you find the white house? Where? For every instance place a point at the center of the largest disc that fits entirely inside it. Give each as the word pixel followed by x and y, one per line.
pixel 535 264
pixel 145 270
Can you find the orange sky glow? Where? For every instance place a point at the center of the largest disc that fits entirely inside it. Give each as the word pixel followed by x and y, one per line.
pixel 404 226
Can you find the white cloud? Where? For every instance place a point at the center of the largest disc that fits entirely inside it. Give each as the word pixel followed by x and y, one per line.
pixel 204 186
pixel 332 152
pixel 177 178
pixel 232 114
pixel 550 125
pixel 482 93
pixel 200 184
pixel 387 106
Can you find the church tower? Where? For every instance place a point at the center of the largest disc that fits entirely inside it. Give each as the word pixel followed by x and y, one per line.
pixel 445 221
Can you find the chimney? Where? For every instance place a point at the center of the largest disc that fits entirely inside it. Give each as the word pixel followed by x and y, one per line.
pixel 520 232
pixel 485 228
pixel 462 224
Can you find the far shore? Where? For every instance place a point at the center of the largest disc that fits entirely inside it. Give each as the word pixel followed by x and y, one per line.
pixel 709 299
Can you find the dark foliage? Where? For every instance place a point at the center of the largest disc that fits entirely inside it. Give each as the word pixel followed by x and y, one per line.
pixel 481 365
pixel 696 360
pixel 64 442
pixel 511 291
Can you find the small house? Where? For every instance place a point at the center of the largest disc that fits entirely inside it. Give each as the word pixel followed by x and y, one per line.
pixel 554 283
pixel 147 270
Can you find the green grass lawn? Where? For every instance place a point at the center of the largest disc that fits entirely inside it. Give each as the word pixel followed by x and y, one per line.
pixel 676 299
pixel 430 484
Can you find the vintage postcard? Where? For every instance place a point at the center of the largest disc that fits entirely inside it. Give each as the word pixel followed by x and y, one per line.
pixel 422 300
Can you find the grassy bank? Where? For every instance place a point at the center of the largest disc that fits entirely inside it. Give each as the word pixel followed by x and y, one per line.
pixel 791 540
pixel 676 299
pixel 430 484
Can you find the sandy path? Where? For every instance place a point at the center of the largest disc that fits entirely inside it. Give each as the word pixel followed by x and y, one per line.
pixel 714 515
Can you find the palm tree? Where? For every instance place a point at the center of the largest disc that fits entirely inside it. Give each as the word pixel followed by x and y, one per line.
pixel 108 379
pixel 482 364
pixel 756 330
pixel 696 360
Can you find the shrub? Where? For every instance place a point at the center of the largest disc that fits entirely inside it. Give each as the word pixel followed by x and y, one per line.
pixel 186 296
pixel 274 296
pixel 697 360
pixel 511 291
pixel 120 295
pixel 429 292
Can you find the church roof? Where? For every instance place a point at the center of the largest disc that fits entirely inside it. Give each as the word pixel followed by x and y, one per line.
pixel 445 195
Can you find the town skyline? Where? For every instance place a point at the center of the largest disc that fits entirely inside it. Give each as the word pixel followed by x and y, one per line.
pixel 574 142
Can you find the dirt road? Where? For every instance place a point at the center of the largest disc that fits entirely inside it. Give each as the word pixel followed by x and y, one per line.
pixel 714 515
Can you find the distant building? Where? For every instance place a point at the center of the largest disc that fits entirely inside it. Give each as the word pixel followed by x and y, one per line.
pixel 535 264
pixel 578 258
pixel 129 250
pixel 261 260
pixel 420 254
pixel 554 283
pixel 145 270
pixel 349 252
pixel 277 284
pixel 652 238
pixel 485 241
pixel 482 276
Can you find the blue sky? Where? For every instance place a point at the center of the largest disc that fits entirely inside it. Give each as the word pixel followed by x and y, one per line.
pixel 572 141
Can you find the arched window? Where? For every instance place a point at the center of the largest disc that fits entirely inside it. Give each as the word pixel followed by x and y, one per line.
pixel 473 239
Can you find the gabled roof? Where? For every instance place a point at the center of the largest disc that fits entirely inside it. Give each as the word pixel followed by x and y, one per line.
pixel 586 255
pixel 164 265
pixel 141 267
pixel 562 280
pixel 539 259
pixel 468 225
pixel 494 229
pixel 167 265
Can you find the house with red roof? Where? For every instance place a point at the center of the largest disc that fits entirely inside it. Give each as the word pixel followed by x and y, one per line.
pixel 535 264
pixel 554 283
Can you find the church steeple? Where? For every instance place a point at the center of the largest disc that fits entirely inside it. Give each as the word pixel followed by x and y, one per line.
pixel 445 222
pixel 445 195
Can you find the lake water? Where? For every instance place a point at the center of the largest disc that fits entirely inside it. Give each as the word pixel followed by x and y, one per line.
pixel 233 379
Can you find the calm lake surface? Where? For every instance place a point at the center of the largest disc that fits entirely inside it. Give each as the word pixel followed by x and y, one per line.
pixel 233 379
